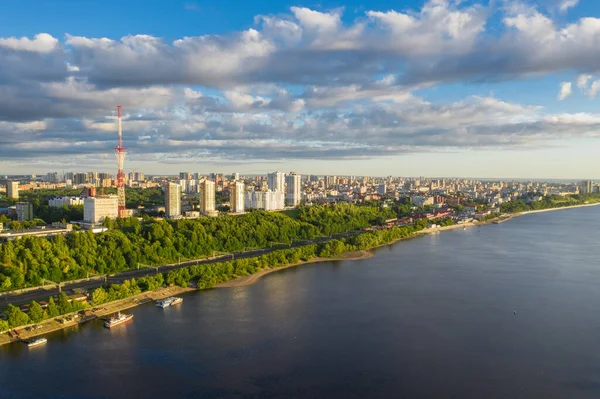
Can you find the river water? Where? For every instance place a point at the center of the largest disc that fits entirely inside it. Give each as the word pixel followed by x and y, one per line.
pixel 431 317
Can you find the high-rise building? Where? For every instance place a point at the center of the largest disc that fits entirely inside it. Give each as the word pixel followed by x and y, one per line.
pixel 330 181
pixel 12 189
pixel 382 189
pixel 24 211
pixel 235 176
pixel 207 196
pixel 276 181
pixel 586 187
pixel 237 197
pixel 184 176
pixel 51 177
pixel 172 200
pixel 183 185
pixel 293 189
pixel 96 209
pixel 266 200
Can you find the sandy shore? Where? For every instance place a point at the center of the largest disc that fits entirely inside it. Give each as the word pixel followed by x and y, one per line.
pixel 103 310
pixel 556 209
pixel 251 279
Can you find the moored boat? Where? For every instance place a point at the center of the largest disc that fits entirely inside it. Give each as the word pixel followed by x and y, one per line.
pixel 117 319
pixel 164 303
pixel 176 300
pixel 36 342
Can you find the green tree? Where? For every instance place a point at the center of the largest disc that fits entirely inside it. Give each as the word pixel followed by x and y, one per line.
pixel 99 296
pixel 3 325
pixel 35 312
pixel 15 316
pixel 52 309
pixel 64 306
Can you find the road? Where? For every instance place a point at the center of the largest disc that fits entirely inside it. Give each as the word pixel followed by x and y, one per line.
pixel 42 293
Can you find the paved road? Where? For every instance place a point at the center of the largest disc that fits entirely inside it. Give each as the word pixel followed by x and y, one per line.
pixel 19 298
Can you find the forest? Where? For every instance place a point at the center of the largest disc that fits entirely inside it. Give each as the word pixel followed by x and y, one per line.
pixel 25 262
pixel 205 276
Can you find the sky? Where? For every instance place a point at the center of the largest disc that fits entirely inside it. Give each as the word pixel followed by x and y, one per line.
pixel 499 88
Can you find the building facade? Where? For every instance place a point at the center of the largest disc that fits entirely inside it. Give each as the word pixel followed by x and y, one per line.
pixel 24 211
pixel 96 209
pixel 57 202
pixel 12 189
pixel 265 200
pixel 276 181
pixel 172 200
pixel 293 183
pixel 237 197
pixel 207 196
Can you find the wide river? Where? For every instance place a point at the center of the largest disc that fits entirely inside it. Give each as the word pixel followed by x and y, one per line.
pixel 431 317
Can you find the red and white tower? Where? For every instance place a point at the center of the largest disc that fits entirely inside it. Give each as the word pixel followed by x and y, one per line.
pixel 120 152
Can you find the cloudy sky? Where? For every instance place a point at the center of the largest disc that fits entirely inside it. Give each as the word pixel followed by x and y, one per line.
pixel 495 88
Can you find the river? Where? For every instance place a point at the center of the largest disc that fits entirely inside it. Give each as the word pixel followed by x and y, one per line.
pixel 431 317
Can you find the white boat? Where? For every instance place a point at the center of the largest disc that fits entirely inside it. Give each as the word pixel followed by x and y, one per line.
pixel 117 319
pixel 176 300
pixel 170 301
pixel 164 303
pixel 36 342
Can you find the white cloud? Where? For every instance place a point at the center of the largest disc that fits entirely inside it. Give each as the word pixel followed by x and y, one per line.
pixel 582 81
pixel 565 90
pixel 566 4
pixel 41 43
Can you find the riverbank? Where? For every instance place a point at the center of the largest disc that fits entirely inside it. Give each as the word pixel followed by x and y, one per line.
pixel 556 209
pixel 251 279
pixel 64 321
pixel 68 321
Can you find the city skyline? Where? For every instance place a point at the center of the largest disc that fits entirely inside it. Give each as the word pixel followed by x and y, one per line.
pixel 338 89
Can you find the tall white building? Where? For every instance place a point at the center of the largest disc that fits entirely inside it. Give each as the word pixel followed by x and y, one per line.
pixel 235 176
pixel 276 181
pixel 293 189
pixel 12 189
pixel 382 189
pixel 237 197
pixel 207 196
pixel 265 200
pixel 172 200
pixel 96 209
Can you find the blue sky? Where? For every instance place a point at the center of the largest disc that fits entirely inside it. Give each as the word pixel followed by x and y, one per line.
pixel 436 87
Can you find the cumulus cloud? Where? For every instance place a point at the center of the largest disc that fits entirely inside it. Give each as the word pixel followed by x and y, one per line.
pixel 308 84
pixel 565 90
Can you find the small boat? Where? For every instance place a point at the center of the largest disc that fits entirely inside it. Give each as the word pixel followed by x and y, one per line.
pixel 164 303
pixel 176 300
pixel 117 319
pixel 36 342
pixel 170 301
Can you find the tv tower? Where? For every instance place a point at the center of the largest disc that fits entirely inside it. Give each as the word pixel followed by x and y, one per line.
pixel 120 152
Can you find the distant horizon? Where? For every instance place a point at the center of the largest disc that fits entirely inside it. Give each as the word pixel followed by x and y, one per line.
pixel 523 179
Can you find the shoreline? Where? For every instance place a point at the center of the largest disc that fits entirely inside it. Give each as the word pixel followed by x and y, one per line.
pixel 253 278
pixel 52 325
pixel 90 314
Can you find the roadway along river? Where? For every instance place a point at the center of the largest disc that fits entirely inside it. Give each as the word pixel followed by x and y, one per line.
pixel 431 317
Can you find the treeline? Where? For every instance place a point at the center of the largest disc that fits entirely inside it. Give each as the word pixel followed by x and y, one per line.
pixel 206 275
pixel 15 317
pixel 29 260
pixel 549 202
